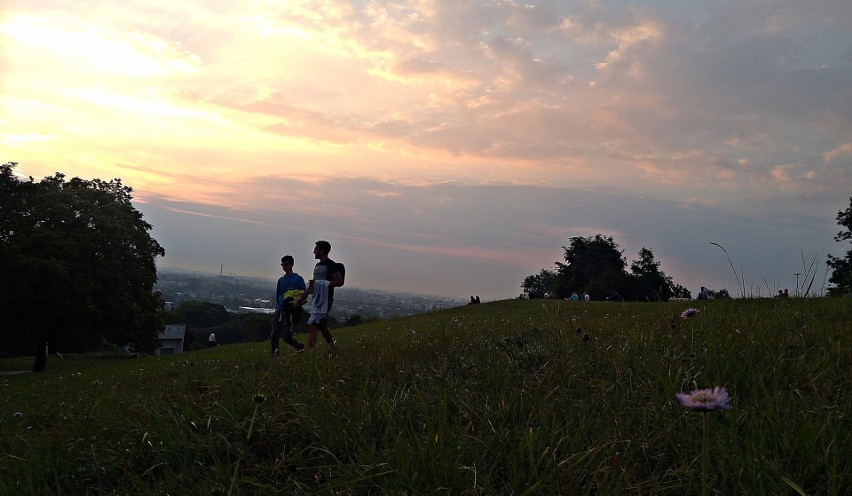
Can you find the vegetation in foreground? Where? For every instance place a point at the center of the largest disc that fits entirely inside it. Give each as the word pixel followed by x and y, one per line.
pixel 514 397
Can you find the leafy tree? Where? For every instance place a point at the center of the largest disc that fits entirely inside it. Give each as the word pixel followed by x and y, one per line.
pixel 200 314
pixel 681 291
pixel 78 267
pixel 649 282
pixel 841 275
pixel 540 285
pixel 592 264
pixel 596 265
pixel 720 294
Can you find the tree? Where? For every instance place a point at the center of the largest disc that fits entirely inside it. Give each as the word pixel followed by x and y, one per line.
pixel 682 292
pixel 594 265
pixel 540 285
pixel 200 314
pixel 79 267
pixel 841 275
pixel 649 282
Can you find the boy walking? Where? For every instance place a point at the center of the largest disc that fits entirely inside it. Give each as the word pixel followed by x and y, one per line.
pixel 290 286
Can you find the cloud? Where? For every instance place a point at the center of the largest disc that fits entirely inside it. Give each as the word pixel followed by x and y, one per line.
pixel 503 232
pixel 841 151
pixel 439 129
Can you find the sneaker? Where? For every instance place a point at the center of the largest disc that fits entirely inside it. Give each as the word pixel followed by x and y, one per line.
pixel 275 354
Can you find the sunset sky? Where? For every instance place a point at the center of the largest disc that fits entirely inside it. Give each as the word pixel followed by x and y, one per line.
pixel 452 146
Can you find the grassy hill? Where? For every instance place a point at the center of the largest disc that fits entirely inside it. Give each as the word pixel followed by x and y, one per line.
pixel 514 397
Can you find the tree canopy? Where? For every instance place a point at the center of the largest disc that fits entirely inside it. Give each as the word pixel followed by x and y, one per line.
pixel 597 266
pixel 841 276
pixel 79 266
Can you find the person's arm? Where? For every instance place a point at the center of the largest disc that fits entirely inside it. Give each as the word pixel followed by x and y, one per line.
pixel 336 280
pixel 279 291
pixel 304 297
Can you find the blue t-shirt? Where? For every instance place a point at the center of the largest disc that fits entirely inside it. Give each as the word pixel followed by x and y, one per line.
pixel 286 283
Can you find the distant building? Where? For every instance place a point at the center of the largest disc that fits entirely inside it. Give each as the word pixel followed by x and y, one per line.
pixel 171 339
pixel 170 305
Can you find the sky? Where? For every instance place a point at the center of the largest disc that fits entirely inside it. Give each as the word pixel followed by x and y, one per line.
pixel 448 147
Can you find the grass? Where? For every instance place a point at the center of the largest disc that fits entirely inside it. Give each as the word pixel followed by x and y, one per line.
pixel 514 397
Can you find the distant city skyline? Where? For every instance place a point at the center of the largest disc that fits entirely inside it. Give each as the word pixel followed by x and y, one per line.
pixel 448 147
pixel 256 295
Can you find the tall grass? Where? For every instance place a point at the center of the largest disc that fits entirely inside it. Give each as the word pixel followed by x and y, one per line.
pixel 514 397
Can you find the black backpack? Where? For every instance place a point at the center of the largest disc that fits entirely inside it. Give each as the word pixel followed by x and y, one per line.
pixel 342 269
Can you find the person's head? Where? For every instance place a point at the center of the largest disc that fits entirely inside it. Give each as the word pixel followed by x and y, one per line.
pixel 322 249
pixel 287 262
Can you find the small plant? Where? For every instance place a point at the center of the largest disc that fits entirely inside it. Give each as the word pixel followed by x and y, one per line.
pixel 705 400
pixel 689 313
pixel 739 277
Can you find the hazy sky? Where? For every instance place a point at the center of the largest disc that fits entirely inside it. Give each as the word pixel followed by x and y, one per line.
pixel 451 146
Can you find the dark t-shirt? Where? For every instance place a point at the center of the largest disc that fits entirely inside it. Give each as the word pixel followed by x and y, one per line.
pixel 323 272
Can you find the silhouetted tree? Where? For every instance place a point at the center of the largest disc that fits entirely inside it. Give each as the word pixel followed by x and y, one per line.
pixel 199 314
pixel 720 294
pixel 541 284
pixel 681 291
pixel 841 275
pixel 649 282
pixel 78 266
pixel 593 264
pixel 596 265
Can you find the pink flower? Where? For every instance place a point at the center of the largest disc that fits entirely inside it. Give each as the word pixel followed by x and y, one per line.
pixel 689 313
pixel 704 400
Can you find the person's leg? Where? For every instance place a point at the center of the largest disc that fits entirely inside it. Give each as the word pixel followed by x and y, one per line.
pixel 276 332
pixel 287 336
pixel 312 335
pixel 326 332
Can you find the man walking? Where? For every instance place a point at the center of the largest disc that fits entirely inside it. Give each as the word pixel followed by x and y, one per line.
pixel 290 286
pixel 326 277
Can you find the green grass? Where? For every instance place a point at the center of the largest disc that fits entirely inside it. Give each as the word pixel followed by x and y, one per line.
pixel 498 398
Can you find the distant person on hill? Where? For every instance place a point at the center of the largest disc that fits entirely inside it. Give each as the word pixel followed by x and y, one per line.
pixel 586 297
pixel 574 296
pixel 290 286
pixel 211 341
pixel 326 277
pixel 704 293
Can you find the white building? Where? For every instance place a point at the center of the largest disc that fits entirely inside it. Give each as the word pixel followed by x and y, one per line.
pixel 171 339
